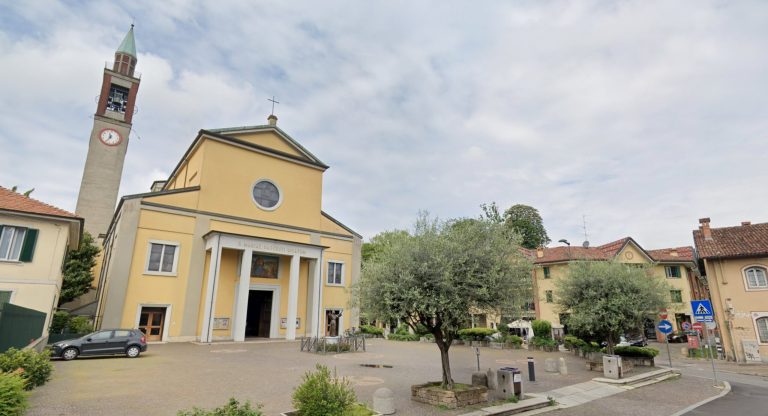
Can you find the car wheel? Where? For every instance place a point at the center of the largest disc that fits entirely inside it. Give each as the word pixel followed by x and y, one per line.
pixel 133 351
pixel 70 354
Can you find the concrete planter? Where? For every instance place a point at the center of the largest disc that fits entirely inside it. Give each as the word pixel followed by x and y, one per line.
pixel 478 343
pixel 432 393
pixel 640 361
pixel 296 413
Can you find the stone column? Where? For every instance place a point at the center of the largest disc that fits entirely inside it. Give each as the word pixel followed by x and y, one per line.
pixel 293 299
pixel 243 289
pixel 206 333
pixel 314 307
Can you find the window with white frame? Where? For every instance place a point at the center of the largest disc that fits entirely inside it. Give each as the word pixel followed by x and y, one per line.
pixel 335 273
pixel 673 272
pixel 163 257
pixel 761 324
pixel 756 278
pixel 17 243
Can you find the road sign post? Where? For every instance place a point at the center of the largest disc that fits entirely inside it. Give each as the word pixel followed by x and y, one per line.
pixel 702 312
pixel 665 327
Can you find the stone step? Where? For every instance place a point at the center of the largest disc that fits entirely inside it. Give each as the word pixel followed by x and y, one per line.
pixel 518 408
pixel 640 378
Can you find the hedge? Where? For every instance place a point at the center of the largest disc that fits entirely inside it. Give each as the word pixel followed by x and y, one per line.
pixel 645 352
pixel 403 337
pixel 13 398
pixel 541 328
pixel 232 408
pixel 476 334
pixel 372 330
pixel 37 366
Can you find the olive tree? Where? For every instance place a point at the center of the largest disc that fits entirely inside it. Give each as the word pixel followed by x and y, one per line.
pixel 606 299
pixel 439 272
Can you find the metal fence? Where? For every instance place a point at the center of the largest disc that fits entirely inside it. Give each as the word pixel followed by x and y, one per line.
pixel 19 326
pixel 333 344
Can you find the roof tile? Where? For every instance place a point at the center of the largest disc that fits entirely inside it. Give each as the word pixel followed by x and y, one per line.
pixel 13 201
pixel 739 241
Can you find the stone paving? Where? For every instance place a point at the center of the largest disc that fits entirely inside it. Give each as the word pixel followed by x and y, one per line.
pixel 170 377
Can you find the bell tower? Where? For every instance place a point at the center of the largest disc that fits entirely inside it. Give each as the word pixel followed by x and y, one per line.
pixel 109 140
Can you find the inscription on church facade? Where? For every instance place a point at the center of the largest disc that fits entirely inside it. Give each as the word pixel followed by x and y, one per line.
pixel 272 247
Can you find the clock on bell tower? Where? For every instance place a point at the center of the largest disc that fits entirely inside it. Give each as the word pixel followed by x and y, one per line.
pixel 109 140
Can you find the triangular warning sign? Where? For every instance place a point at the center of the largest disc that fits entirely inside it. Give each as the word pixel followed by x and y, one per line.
pixel 702 310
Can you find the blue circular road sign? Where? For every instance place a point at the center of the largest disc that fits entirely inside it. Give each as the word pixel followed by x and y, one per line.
pixel 664 326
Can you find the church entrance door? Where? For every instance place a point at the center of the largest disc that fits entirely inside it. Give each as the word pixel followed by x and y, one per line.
pixel 259 317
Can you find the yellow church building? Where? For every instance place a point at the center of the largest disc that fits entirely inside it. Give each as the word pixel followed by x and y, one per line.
pixel 233 245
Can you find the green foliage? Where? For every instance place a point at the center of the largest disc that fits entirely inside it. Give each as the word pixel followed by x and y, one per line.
pixel 541 342
pixel 403 329
pixel 403 337
pixel 13 398
pixel 513 340
pixel 322 395
pixel 573 343
pixel 441 272
pixel 526 221
pixel 476 334
pixel 59 322
pixel 421 330
pixel 372 330
pixel 607 299
pixel 379 244
pixel 704 352
pixel 646 352
pixel 541 328
pixel 80 325
pixel 36 366
pixel 63 322
pixel 358 409
pixel 232 408
pixel 77 270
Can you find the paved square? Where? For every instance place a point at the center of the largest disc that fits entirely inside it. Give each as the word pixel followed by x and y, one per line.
pixel 170 377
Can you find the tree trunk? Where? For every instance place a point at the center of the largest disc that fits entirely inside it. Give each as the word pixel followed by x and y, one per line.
pixel 447 382
pixel 609 348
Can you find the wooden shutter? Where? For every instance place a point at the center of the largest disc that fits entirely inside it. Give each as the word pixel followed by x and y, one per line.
pixel 28 248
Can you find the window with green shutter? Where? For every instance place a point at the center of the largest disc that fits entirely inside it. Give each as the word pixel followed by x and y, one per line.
pixel 17 243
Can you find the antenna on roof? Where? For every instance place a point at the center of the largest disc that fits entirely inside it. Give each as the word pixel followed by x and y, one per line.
pixel 585 244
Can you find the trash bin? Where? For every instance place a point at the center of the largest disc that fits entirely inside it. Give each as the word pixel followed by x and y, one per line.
pixel 510 382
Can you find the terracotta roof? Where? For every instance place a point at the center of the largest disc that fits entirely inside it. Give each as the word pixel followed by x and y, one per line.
pixel 14 201
pixel 740 241
pixel 608 251
pixel 673 254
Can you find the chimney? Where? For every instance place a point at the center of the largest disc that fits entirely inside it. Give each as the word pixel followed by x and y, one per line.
pixel 704 227
pixel 539 252
pixel 745 223
pixel 157 186
pixel 673 253
pixel 272 120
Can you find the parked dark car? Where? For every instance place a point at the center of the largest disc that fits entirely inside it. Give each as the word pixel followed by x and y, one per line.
pixel 678 337
pixel 130 342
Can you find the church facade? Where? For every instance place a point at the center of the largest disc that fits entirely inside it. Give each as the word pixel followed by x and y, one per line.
pixel 234 244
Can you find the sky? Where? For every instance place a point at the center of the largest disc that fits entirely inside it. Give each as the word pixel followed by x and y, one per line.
pixel 639 117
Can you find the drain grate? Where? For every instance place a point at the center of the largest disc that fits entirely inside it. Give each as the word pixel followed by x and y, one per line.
pixel 376 365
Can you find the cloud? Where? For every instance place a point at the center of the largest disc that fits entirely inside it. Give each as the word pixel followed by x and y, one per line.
pixel 641 115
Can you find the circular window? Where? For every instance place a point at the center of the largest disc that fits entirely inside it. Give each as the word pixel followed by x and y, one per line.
pixel 266 194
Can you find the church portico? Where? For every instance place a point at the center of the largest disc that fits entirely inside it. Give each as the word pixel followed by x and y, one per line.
pixel 280 278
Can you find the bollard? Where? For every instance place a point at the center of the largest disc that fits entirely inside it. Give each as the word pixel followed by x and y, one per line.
pixel 493 383
pixel 384 401
pixel 531 370
pixel 563 367
pixel 477 351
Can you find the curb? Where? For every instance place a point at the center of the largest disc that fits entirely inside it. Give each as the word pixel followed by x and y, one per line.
pixel 726 390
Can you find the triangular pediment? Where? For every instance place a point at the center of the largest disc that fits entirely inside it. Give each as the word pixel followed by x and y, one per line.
pixel 631 252
pixel 271 138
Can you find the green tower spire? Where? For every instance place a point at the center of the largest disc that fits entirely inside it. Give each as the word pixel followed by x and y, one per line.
pixel 128 46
